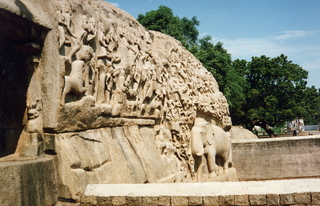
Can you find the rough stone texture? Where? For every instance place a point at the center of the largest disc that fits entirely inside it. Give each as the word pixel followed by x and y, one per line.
pixel 315 196
pixel 226 200
pixel 165 200
pixel 238 132
pixel 287 199
pixel 241 200
pixel 195 200
pixel 152 201
pixel 211 200
pixel 302 198
pixel 273 199
pixel 115 102
pixel 105 201
pixel 179 201
pixel 109 155
pixel 277 158
pixel 89 200
pixel 120 200
pixel 134 201
pixel 28 182
pixel 257 199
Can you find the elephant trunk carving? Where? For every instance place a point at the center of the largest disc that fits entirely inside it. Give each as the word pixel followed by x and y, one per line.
pixel 212 142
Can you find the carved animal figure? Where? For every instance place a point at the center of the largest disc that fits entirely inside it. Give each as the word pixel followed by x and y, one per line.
pixel 212 142
pixel 74 83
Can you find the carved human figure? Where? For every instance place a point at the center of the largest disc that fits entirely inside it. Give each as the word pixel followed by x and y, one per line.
pixel 101 86
pixel 102 41
pixel 66 34
pixel 89 30
pixel 34 112
pixel 108 82
pixel 74 83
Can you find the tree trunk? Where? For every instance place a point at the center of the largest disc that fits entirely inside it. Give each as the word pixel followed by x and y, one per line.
pixel 266 127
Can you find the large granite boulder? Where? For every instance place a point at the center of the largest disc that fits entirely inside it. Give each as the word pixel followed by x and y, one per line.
pixel 112 101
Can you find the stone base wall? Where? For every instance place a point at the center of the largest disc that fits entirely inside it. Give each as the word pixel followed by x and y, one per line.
pixel 277 158
pixel 279 192
pixel 28 182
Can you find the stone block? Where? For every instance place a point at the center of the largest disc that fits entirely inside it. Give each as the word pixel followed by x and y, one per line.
pixel 257 199
pixel 88 200
pixel 315 196
pixel 179 201
pixel 164 201
pixel 119 200
pixel 287 199
pixel 302 198
pixel 104 201
pixel 273 199
pixel 211 200
pixel 10 187
pixel 49 143
pixel 226 200
pixel 241 200
pixel 133 201
pixel 152 201
pixel 195 200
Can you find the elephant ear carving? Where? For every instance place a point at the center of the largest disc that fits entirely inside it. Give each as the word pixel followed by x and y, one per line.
pixel 210 134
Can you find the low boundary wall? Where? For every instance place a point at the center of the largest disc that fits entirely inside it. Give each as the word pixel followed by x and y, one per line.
pixel 273 192
pixel 277 158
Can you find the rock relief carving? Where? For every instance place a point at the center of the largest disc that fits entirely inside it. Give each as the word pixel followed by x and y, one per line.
pixel 130 72
pixel 34 114
pixel 212 141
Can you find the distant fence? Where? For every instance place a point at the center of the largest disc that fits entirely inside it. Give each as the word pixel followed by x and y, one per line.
pixel 311 127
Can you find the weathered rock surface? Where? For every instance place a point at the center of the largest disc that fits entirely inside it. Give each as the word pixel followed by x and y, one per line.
pixel 114 102
pixel 238 132
pixel 28 182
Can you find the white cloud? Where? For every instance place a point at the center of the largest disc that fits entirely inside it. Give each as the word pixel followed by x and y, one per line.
pixel 203 34
pixel 307 55
pixel 246 48
pixel 115 4
pixel 293 34
pixel 271 46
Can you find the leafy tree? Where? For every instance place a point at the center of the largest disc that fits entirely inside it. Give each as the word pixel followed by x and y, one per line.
pixel 276 91
pixel 264 91
pixel 218 61
pixel 163 20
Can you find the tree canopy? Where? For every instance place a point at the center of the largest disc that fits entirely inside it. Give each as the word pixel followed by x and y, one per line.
pixel 276 91
pixel 163 20
pixel 269 90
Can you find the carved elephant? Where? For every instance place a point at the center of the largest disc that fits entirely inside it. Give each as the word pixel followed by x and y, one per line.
pixel 212 142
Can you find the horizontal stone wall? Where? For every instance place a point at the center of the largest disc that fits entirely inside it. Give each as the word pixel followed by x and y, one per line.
pixel 279 192
pixel 277 158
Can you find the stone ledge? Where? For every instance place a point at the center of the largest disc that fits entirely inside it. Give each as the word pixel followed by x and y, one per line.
pixel 278 192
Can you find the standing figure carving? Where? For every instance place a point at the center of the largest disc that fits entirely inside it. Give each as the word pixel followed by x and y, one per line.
pixel 67 36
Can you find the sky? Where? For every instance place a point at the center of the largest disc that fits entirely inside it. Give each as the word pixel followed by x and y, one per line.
pixel 250 28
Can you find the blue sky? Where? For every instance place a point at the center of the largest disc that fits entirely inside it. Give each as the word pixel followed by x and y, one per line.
pixel 252 27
